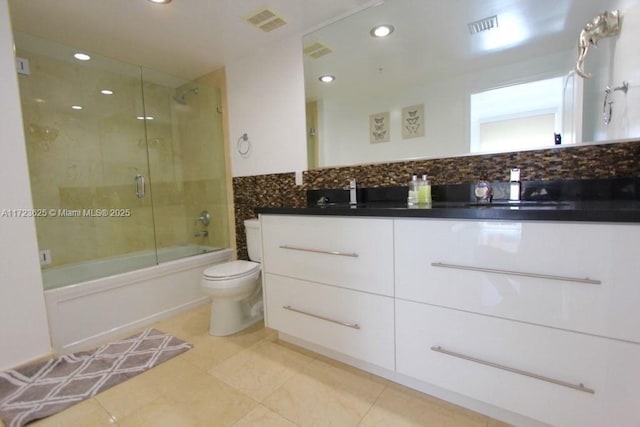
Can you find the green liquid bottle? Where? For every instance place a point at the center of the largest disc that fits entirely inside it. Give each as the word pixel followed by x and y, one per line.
pixel 424 191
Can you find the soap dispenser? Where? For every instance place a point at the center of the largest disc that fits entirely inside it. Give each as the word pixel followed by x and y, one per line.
pixel 412 197
pixel 514 184
pixel 424 191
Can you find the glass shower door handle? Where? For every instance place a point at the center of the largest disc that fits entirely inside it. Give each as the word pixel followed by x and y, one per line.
pixel 139 186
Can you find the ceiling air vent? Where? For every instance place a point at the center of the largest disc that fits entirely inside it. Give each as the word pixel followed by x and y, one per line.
pixel 485 24
pixel 317 49
pixel 266 20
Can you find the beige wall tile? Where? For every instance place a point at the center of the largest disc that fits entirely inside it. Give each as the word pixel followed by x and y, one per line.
pixel 88 159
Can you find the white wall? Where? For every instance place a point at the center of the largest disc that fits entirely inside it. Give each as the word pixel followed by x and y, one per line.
pixel 626 66
pixel 344 116
pixel 266 101
pixel 24 332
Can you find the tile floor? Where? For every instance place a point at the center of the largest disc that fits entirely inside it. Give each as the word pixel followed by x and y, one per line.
pixel 253 379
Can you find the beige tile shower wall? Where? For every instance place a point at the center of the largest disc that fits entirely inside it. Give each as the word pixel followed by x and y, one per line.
pixel 84 159
pixel 188 169
pixel 208 184
pixel 88 159
pixel 584 162
pixel 164 146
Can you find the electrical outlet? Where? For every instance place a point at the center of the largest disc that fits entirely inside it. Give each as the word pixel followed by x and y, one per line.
pixel 45 257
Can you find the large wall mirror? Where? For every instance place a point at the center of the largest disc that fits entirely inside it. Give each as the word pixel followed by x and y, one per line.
pixel 468 76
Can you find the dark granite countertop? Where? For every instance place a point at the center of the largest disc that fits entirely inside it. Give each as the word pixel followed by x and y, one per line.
pixel 593 211
pixel 604 200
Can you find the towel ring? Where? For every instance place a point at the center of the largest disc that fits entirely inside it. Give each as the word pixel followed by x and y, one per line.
pixel 606 115
pixel 607 112
pixel 244 145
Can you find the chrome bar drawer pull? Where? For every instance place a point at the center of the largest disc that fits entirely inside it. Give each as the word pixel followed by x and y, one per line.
pixel 517 273
pixel 580 387
pixel 318 251
pixel 349 325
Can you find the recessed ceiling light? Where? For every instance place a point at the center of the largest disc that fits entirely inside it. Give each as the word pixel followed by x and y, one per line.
pixel 327 78
pixel 160 1
pixel 106 92
pixel 381 30
pixel 77 107
pixel 82 56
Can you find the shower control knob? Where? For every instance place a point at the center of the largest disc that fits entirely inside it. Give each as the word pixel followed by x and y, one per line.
pixel 204 218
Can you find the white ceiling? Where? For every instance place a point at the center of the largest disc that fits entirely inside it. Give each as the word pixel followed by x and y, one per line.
pixel 432 42
pixel 185 38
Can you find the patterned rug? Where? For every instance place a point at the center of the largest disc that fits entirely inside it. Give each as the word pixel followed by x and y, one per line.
pixel 38 390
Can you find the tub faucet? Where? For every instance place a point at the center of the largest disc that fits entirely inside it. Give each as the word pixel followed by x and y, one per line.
pixel 203 233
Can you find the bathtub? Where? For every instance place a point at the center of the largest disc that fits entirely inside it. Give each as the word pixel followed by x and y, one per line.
pixel 56 277
pixel 94 310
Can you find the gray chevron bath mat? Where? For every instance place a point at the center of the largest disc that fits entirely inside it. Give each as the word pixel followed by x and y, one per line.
pixel 39 390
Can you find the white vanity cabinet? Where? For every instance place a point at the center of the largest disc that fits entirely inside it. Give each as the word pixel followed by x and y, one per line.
pixel 558 377
pixel 354 323
pixel 354 253
pixel 529 320
pixel 528 271
pixel 539 318
pixel 329 281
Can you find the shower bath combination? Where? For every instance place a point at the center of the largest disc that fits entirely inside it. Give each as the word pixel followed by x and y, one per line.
pixel 181 98
pixel 148 263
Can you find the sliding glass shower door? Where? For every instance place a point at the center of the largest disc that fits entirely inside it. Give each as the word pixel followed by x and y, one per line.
pixel 84 121
pixel 126 164
pixel 187 166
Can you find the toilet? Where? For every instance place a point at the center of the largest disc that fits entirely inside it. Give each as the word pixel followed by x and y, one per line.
pixel 235 288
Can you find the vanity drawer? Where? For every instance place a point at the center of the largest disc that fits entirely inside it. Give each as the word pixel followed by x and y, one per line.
pixel 354 253
pixel 353 323
pixel 565 251
pixel 426 333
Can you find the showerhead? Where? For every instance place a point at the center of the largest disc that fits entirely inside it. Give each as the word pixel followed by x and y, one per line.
pixel 180 99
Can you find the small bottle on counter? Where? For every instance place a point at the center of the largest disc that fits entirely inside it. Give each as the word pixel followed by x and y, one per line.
pixel 483 190
pixel 424 191
pixel 412 197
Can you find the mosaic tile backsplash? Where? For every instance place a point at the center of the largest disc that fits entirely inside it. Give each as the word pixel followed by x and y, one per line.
pixel 621 160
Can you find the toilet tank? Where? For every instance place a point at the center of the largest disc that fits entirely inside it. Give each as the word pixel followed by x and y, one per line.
pixel 252 229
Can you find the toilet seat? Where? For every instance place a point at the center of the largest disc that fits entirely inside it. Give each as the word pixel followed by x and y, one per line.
pixel 231 270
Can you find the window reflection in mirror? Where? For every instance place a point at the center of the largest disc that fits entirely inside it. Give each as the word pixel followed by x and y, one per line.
pixel 524 116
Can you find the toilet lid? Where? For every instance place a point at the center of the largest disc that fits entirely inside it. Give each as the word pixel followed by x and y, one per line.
pixel 230 270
